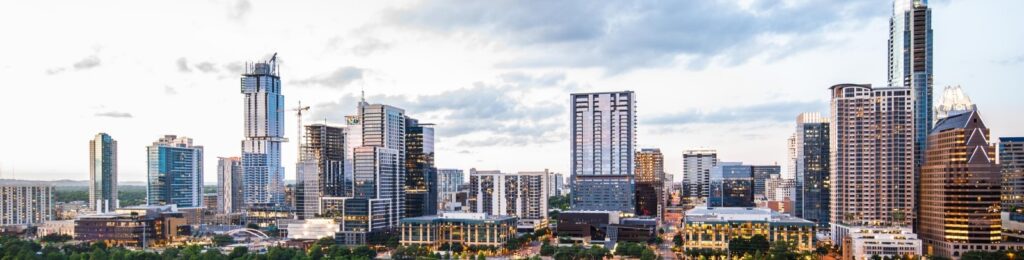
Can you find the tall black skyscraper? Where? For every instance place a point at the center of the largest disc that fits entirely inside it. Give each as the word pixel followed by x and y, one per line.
pixel 421 181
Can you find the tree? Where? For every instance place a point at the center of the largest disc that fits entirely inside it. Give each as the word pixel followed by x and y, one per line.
pixel 677 239
pixel 238 252
pixel 223 240
pixel 55 238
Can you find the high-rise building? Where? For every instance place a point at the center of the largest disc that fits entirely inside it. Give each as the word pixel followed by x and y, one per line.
pixel 264 132
pixel 229 185
pixel 1011 158
pixel 449 183
pixel 556 184
pixel 960 186
pixel 523 195
pixel 103 173
pixel 308 189
pixel 378 174
pixel 603 130
pixel 527 197
pixel 25 203
pixel 910 63
pixel 731 185
pixel 175 174
pixel 650 183
pixel 421 179
pixel 910 66
pixel 487 192
pixel 761 173
pixel 320 170
pixel 697 166
pixel 872 157
pixel 325 145
pixel 809 160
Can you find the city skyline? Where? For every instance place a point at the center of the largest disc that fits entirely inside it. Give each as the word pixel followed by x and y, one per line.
pixel 200 75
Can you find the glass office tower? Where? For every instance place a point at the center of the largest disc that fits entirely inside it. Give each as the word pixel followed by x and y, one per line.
pixel 175 174
pixel 103 173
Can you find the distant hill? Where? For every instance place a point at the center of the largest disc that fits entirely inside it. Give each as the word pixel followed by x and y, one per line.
pixel 68 183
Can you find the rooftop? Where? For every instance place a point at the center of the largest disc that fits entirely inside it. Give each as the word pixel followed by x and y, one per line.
pixel 729 214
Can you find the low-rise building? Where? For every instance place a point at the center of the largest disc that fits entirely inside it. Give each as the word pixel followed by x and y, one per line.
pixel 468 229
pixel 312 229
pixel 713 228
pixel 266 215
pixel 861 243
pixel 139 226
pixel 56 227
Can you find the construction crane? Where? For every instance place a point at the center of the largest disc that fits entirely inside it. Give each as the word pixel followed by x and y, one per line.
pixel 298 113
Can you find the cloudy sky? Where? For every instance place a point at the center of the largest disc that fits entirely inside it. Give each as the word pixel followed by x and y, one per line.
pixel 495 76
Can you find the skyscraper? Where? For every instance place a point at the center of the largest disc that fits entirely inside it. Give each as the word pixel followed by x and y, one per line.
pixel 175 172
pixel 421 181
pixel 697 166
pixel 910 66
pixel 650 183
pixel 872 157
pixel 229 185
pixel 810 168
pixel 604 142
pixel 960 187
pixel 378 174
pixel 103 173
pixel 1011 158
pixel 263 174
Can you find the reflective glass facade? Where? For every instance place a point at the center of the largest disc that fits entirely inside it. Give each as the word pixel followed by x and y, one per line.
pixel 264 132
pixel 175 173
pixel 603 134
pixel 103 173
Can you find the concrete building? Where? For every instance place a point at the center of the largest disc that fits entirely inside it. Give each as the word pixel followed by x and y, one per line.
pixel 779 194
pixel 466 229
pixel 1011 158
pixel 25 203
pixel 139 226
pixel 523 195
pixel 229 185
pixel 264 132
pixel 809 165
pixel 421 193
pixel 713 228
pixel 556 185
pixel 960 161
pixel 175 172
pixel 103 173
pixel 862 243
pixel 603 130
pixel 650 183
pixel 697 166
pixel 487 192
pixel 872 179
pixel 527 197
